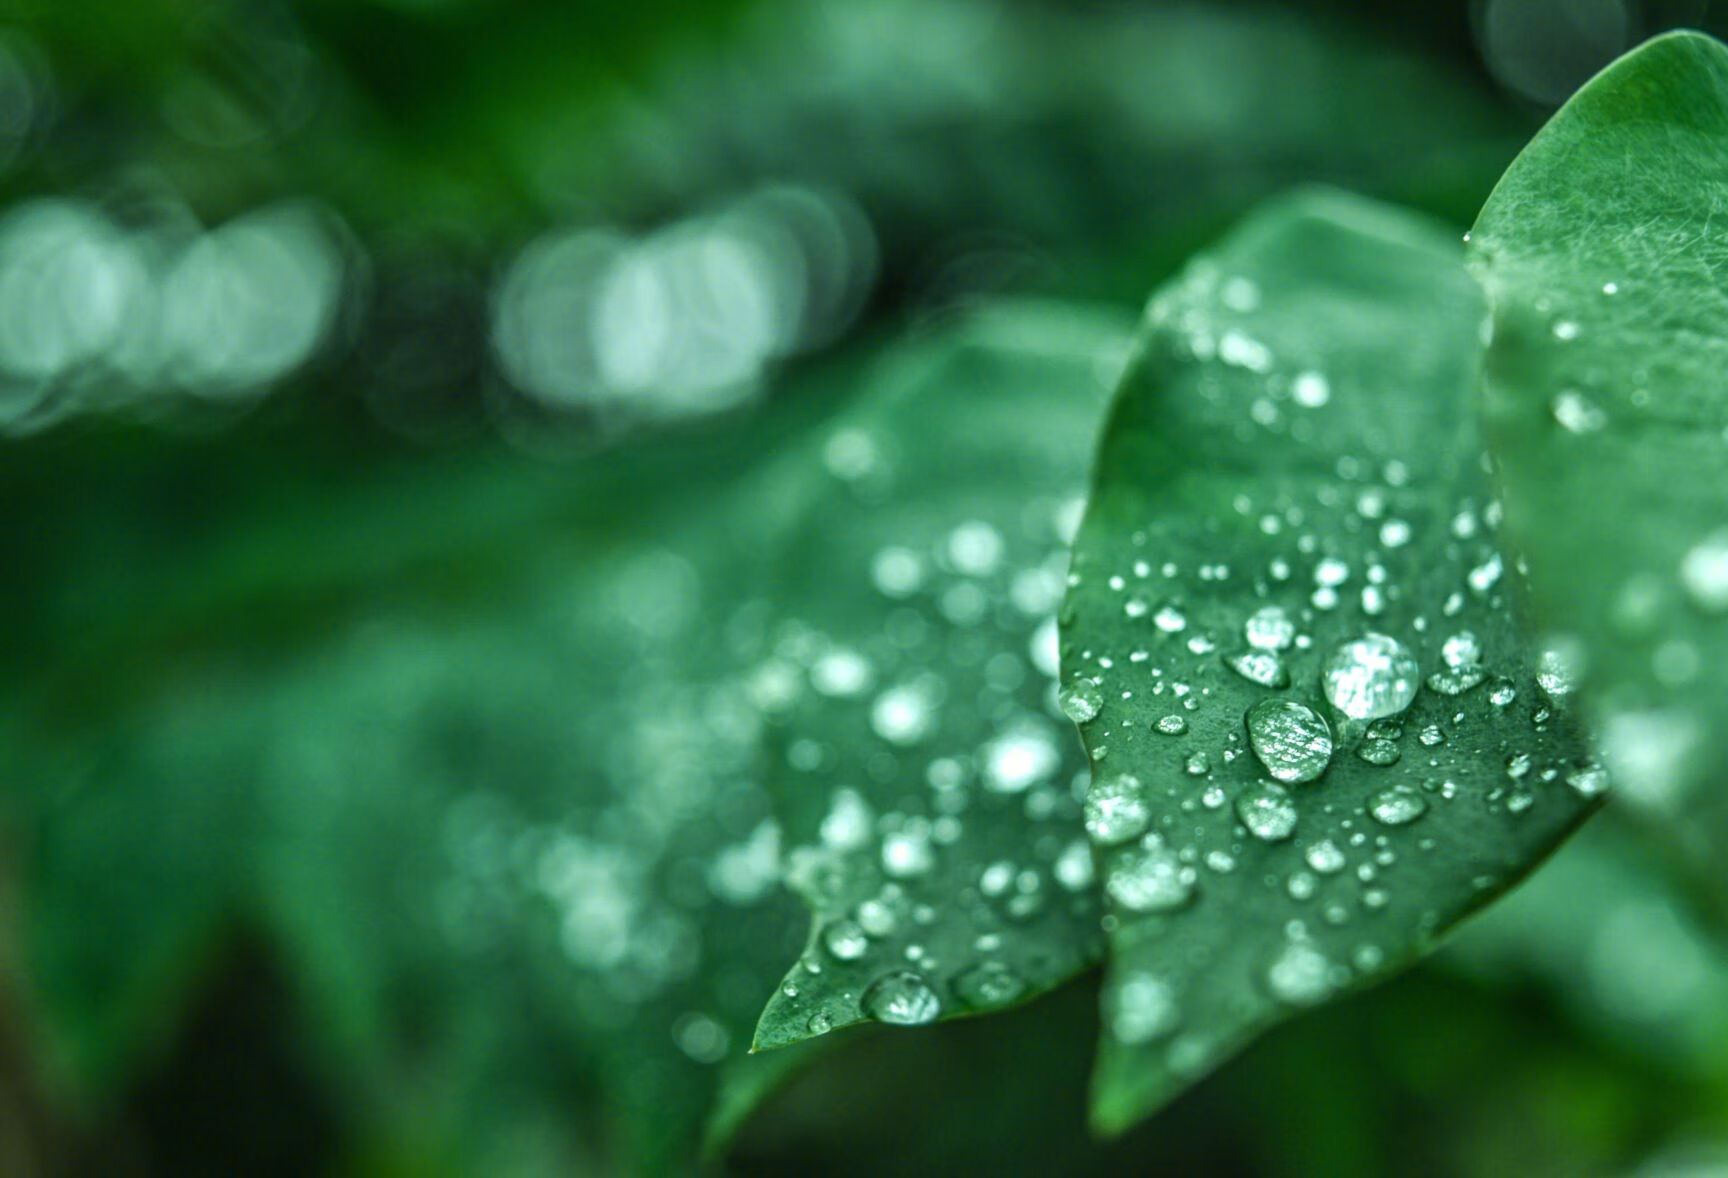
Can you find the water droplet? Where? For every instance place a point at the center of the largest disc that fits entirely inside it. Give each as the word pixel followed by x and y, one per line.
pixel 1291 739
pixel 1397 806
pixel 1325 857
pixel 975 548
pixel 1017 760
pixel 902 998
pixel 1310 390
pixel 1149 879
pixel 845 940
pixel 1142 1009
pixel 903 715
pixel 1576 413
pixel 1371 677
pixel 1172 725
pixel 1268 812
pixel 897 572
pixel 1394 533
pixel 1704 572
pixel 1558 666
pixel 1198 764
pixel 989 985
pixel 1300 975
pixel 1502 694
pixel 1169 619
pixel 1116 809
pixel 908 853
pixel 1431 736
pixel 1379 751
pixel 1331 572
pixel 1269 628
pixel 1080 701
pixel 1261 667
pixel 1589 781
pixel 819 1024
pixel 1566 329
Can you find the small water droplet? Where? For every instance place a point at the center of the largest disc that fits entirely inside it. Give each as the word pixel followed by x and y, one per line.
pixel 902 998
pixel 1397 806
pixel 845 940
pixel 989 985
pixel 1080 700
pixel 1169 619
pixel 1325 857
pixel 1268 812
pixel 1142 1009
pixel 1379 751
pixel 1704 572
pixel 1576 413
pixel 1589 781
pixel 1300 975
pixel 1260 666
pixel 819 1024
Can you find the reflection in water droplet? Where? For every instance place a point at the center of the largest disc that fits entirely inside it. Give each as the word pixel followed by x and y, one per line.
pixel 902 998
pixel 1371 677
pixel 1290 739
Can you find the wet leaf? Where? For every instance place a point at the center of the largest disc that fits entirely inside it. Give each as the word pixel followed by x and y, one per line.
pixel 1606 403
pixel 1318 742
pixel 924 774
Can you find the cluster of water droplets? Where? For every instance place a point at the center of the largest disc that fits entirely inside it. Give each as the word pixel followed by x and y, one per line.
pixel 949 726
pixel 1229 691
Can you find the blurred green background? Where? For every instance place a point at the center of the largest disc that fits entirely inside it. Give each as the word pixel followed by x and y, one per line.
pixel 396 397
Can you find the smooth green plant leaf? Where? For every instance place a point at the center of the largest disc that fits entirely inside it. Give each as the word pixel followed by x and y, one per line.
pixel 926 779
pixel 1606 402
pixel 1316 738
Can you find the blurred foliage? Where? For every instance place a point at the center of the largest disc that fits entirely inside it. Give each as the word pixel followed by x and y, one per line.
pixel 400 398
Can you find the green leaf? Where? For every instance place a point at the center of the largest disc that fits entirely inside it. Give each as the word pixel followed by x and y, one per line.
pixel 504 820
pixel 1606 402
pixel 926 779
pixel 1316 740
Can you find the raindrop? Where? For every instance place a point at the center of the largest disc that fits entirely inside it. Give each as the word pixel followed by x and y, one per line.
pixel 1269 628
pixel 1116 810
pixel 1149 878
pixel 1261 667
pixel 1142 1009
pixel 1300 975
pixel 1172 725
pixel 989 985
pixel 1080 701
pixel 845 940
pixel 1291 739
pixel 1397 806
pixel 1704 572
pixel 1371 677
pixel 902 998
pixel 1268 813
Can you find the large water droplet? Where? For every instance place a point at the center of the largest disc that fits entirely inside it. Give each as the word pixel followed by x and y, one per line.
pixel 902 998
pixel 1371 677
pixel 1116 809
pixel 1291 739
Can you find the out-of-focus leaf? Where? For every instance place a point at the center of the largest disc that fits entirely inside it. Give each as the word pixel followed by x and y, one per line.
pixel 1316 738
pixel 925 778
pixel 1606 406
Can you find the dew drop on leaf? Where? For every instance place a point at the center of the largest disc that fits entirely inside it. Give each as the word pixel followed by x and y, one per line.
pixel 1149 878
pixel 901 998
pixel 1291 739
pixel 1117 810
pixel 1397 806
pixel 1371 677
pixel 1268 812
